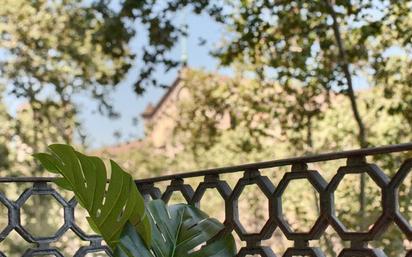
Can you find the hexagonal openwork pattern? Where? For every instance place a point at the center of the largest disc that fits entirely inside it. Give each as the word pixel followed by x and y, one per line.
pixel 392 207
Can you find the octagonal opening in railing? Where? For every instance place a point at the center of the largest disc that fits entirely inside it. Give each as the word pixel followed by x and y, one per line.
pixel 213 204
pixel 253 209
pixel 69 244
pixel 405 196
pixel 98 254
pixel 348 202
pixel 14 245
pixel 4 219
pixel 176 197
pixel 300 203
pixel 45 221
pixel 80 220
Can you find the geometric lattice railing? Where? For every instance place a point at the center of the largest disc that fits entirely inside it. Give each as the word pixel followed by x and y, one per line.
pixel 358 242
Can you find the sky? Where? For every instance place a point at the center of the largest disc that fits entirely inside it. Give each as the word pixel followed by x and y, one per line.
pixel 100 129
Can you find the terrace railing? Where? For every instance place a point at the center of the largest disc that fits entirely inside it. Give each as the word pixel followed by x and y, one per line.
pixel 359 242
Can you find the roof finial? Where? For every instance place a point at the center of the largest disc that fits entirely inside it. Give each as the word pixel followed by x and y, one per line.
pixel 183 41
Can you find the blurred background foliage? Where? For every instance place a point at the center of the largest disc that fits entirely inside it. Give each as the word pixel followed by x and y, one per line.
pixel 293 92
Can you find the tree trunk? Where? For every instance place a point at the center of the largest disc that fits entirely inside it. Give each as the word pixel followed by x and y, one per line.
pixel 309 150
pixel 362 137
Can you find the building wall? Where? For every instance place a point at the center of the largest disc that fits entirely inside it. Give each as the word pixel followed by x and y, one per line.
pixel 160 125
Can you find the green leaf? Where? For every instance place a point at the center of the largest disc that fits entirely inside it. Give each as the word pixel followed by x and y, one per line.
pixel 178 231
pixel 109 208
pixel 62 182
pixel 131 244
pixel 47 161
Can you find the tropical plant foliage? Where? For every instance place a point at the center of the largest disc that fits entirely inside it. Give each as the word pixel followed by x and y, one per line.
pixel 109 207
pixel 117 211
pixel 177 232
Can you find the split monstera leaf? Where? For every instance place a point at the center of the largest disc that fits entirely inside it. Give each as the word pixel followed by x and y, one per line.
pixel 118 213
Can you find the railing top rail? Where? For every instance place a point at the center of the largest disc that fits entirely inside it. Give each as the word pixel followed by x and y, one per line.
pixel 251 166
pixel 287 161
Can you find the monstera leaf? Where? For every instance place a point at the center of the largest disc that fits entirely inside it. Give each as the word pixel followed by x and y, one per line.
pixel 178 231
pixel 111 202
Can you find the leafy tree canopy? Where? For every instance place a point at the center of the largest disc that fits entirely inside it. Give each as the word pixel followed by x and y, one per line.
pixel 56 49
pixel 321 44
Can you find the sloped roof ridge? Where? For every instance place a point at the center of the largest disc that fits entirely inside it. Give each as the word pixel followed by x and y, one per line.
pixel 151 109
